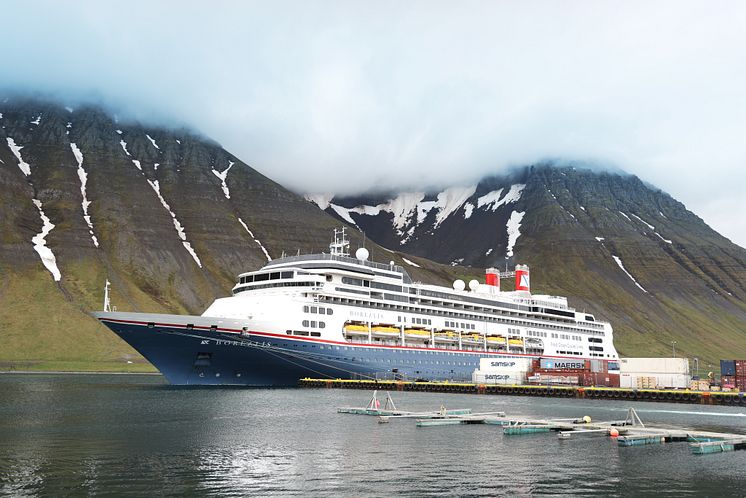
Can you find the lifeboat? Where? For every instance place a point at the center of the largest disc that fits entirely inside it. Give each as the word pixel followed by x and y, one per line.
pixel 472 338
pixel 515 342
pixel 356 329
pixel 446 335
pixel 385 330
pixel 417 333
pixel 495 339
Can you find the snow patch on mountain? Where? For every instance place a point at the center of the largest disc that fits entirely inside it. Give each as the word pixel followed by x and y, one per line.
pixel 644 222
pixel 468 209
pixel 16 149
pixel 37 120
pixel 513 227
pixel 223 175
pixel 69 109
pixel 450 200
pixel 343 213
pixel 623 214
pixel 600 239
pixel 402 207
pixel 621 265
pixel 152 141
pixel 179 227
pixel 653 229
pixel 124 146
pixel 410 263
pixel 264 250
pixel 40 243
pixel 493 201
pixel 321 200
pixel 83 175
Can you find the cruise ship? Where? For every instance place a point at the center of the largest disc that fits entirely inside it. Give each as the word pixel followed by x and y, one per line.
pixel 331 315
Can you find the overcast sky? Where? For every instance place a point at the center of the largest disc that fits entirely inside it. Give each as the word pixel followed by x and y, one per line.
pixel 343 96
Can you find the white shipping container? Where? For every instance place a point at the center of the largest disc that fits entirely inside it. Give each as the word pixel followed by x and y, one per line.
pixel 628 380
pixel 654 365
pixel 652 380
pixel 489 377
pixel 519 365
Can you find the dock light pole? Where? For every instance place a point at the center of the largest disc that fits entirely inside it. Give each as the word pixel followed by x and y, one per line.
pixel 696 365
pixel 673 348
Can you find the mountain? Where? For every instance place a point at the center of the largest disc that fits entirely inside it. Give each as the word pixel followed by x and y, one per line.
pixel 168 216
pixel 617 246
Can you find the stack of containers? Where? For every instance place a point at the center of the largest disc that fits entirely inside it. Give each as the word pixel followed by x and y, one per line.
pixel 501 371
pixel 741 374
pixel 728 373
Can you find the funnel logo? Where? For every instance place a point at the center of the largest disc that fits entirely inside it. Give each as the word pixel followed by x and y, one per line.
pixel 524 281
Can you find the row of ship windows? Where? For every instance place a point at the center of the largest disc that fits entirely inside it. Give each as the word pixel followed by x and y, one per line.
pixel 535 333
pixel 418 321
pixel 360 282
pixel 365 304
pixel 318 309
pixel 467 326
pixel 570 352
pixel 305 333
pixel 314 324
pixel 567 337
pixel 265 276
pixel 274 284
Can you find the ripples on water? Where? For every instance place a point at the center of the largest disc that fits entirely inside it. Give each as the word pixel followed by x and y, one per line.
pixel 133 435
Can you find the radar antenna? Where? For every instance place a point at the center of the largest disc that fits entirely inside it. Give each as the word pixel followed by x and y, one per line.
pixel 340 246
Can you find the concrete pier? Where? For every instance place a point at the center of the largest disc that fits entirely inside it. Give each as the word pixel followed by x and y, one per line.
pixel 654 395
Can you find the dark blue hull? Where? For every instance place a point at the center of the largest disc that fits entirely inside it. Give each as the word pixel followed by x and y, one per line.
pixel 216 357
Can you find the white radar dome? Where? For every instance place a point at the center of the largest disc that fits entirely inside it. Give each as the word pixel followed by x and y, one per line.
pixel 474 284
pixel 362 254
pixel 459 285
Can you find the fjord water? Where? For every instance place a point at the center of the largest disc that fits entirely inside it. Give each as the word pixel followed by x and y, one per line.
pixel 135 435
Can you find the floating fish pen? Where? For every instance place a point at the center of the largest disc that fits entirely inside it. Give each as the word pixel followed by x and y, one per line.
pixel 629 432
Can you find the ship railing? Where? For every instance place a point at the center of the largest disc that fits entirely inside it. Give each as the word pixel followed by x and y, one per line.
pixel 334 257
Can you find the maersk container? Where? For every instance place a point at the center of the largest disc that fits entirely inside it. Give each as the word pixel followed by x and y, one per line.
pixel 518 365
pixel 563 364
pixel 655 365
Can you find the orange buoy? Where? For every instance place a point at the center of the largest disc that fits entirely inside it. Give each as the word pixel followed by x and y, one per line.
pixel 613 432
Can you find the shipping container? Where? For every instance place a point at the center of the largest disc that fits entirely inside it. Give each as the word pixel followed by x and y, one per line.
pixel 557 379
pixel 564 364
pixel 491 377
pixel 600 379
pixel 654 365
pixel 521 365
pixel 727 367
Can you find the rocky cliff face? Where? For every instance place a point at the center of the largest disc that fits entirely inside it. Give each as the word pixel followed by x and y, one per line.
pixel 617 246
pixel 167 216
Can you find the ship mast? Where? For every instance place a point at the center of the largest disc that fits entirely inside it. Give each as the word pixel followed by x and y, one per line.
pixel 107 302
pixel 340 246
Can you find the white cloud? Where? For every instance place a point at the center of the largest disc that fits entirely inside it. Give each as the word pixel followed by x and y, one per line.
pixel 345 95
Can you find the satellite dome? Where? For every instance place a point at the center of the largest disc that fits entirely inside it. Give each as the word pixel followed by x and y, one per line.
pixel 362 254
pixel 459 285
pixel 473 285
